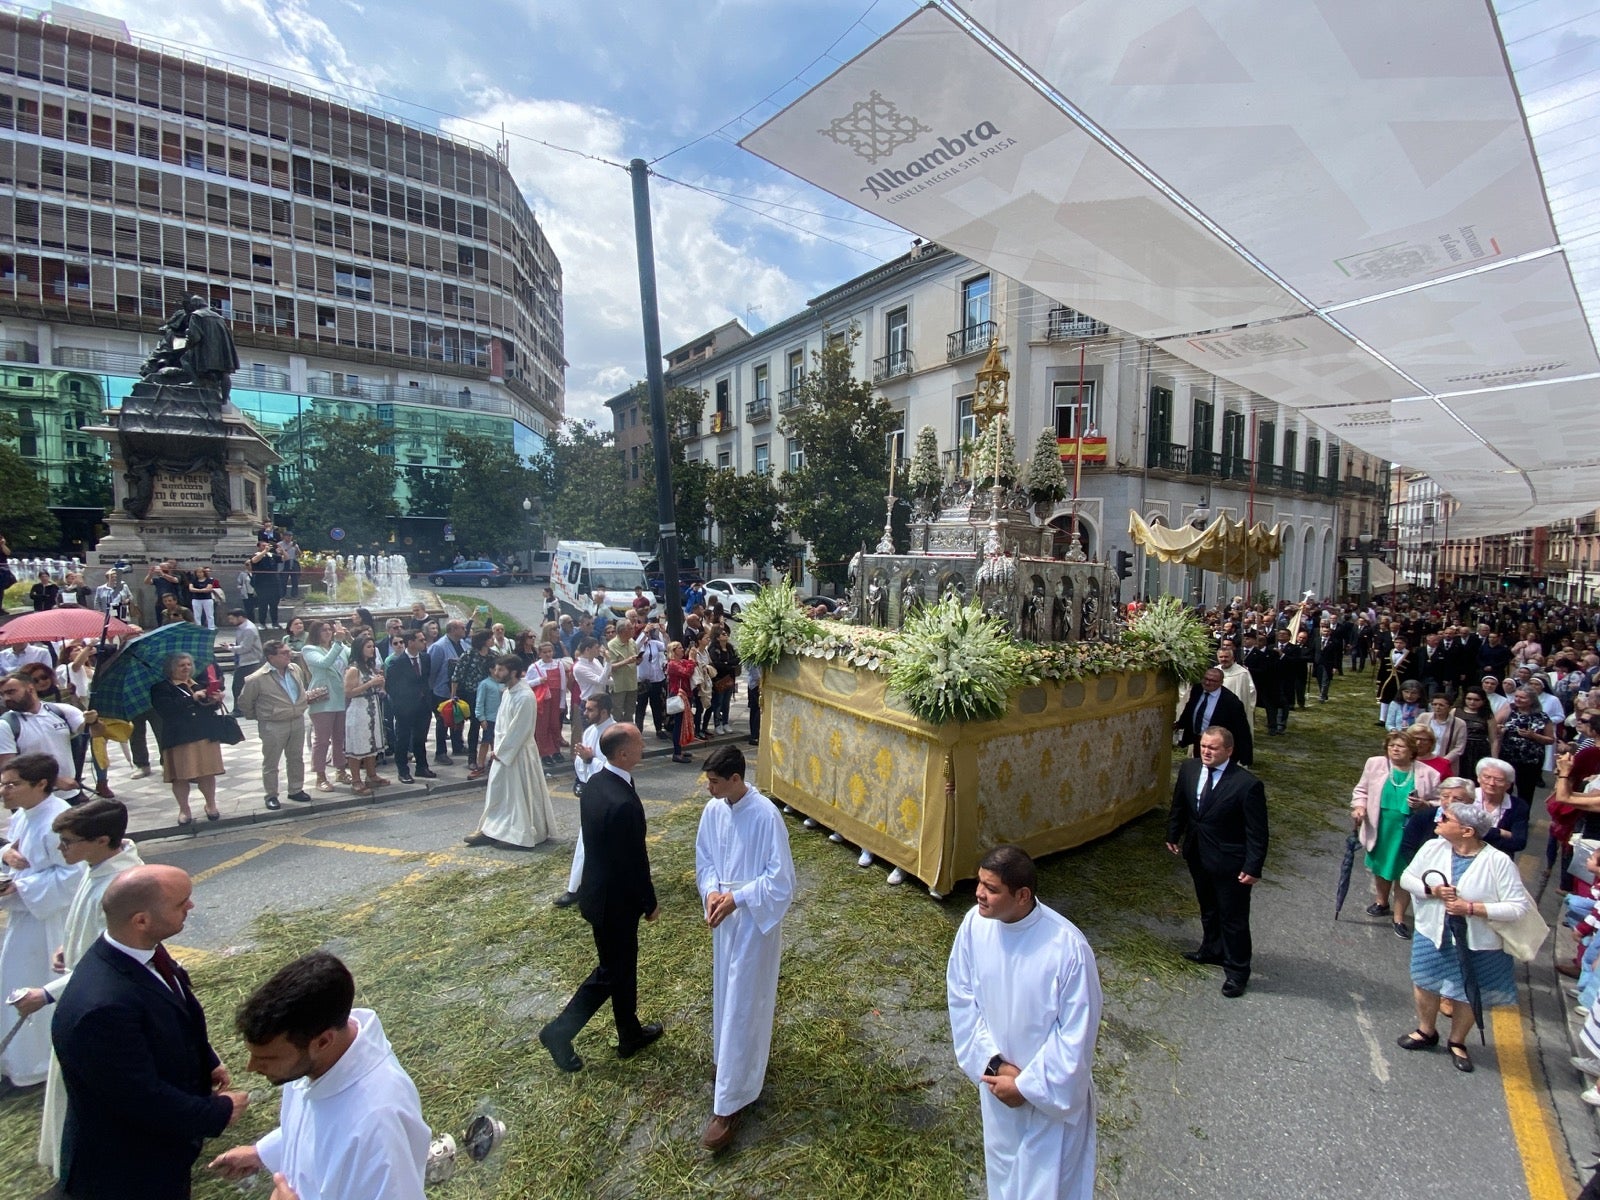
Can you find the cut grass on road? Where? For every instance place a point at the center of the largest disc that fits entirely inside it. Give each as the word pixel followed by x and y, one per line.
pixel 862 1099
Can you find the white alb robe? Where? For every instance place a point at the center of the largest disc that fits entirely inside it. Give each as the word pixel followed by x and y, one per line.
pixel 1241 683
pixel 357 1131
pixel 36 918
pixel 86 921
pixel 1029 991
pixel 516 803
pixel 585 771
pixel 743 848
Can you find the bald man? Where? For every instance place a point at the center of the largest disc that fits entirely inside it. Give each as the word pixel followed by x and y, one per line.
pixel 144 1087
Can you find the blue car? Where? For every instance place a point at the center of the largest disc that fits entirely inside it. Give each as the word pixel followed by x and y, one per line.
pixel 472 573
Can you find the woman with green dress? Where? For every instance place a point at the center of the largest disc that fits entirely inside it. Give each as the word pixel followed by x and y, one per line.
pixel 1392 785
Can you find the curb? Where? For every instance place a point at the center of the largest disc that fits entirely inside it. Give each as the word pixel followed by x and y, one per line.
pixel 292 811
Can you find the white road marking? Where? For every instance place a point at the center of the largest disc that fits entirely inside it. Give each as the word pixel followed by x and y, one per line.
pixel 1380 1065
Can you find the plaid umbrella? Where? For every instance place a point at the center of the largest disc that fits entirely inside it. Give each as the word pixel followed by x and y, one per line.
pixel 122 686
pixel 1351 845
pixel 61 624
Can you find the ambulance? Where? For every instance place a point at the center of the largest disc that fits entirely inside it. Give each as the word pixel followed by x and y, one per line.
pixel 579 569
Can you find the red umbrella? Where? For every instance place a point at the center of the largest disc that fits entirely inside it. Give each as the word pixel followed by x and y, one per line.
pixel 61 624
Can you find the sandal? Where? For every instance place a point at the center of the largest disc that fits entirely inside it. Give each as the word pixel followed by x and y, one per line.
pixel 361 791
pixel 324 786
pixel 380 781
pixel 1459 1059
pixel 1417 1040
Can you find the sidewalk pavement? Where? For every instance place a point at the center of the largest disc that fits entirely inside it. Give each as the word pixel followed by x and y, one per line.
pixel 153 813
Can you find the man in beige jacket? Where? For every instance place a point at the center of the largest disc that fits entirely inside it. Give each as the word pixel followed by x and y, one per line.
pixel 275 698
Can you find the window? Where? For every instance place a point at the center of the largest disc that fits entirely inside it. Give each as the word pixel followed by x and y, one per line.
pixel 633 462
pixel 724 460
pixel 763 459
pixel 1077 409
pixel 797 455
pixel 838 340
pixel 797 367
pixel 1203 426
pixel 898 331
pixel 762 384
pixel 1291 448
pixel 975 302
pixel 1160 417
pixel 1233 443
pixel 1313 457
pixel 1266 443
pixel 722 393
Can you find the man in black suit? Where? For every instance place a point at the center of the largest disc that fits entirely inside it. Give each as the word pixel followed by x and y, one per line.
pixel 144 1087
pixel 1264 672
pixel 1218 823
pixel 616 891
pixel 1212 704
pixel 405 679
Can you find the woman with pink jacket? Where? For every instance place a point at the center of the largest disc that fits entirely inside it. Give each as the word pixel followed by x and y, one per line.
pixel 1392 786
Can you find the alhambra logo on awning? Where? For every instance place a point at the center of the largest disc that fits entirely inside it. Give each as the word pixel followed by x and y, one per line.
pixel 875 128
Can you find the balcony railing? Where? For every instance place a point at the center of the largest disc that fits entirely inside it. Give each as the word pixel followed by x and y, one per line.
pixel 1168 456
pixel 722 421
pixel 788 398
pixel 17 351
pixel 758 410
pixel 974 339
pixel 1066 324
pixel 687 429
pixel 890 365
pixel 110 362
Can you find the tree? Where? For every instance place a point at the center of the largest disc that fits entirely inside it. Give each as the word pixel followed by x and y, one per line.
pixel 490 485
pixel 835 501
pixel 1046 481
pixel 691 481
pixel 345 482
pixel 25 516
pixel 749 513
pixel 429 491
pixel 578 479
pixel 926 477
pixel 88 485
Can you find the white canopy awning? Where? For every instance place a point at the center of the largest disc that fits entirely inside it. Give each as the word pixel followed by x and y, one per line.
pixel 1335 206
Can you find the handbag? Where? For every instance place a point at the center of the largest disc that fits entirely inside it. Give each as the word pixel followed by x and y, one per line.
pixel 674 704
pixel 1523 937
pixel 228 731
pixel 726 684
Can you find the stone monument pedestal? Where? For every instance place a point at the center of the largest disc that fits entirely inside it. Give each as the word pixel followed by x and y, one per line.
pixel 189 474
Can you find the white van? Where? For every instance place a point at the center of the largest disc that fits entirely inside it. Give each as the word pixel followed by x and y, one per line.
pixel 579 569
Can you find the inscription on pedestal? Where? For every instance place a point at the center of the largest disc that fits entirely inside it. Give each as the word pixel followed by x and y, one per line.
pixel 181 495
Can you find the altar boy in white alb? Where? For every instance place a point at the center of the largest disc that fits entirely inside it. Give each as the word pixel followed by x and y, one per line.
pixel 350 1124
pixel 746 881
pixel 1024 997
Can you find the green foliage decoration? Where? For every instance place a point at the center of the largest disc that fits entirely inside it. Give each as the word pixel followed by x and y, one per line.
pixel 954 662
pixel 772 625
pixel 1169 632
pixel 1046 481
pixel 926 476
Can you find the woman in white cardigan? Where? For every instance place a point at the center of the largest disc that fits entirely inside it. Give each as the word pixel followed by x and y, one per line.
pixel 1484 887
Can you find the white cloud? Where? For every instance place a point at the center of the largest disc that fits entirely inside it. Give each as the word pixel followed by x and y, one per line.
pixel 708 268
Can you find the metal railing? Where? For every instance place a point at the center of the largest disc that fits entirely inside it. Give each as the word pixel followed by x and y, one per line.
pixel 890 365
pixel 972 339
pixel 788 398
pixel 1168 456
pixel 323 383
pixel 687 429
pixel 17 351
pixel 1065 324
pixel 110 362
pixel 757 410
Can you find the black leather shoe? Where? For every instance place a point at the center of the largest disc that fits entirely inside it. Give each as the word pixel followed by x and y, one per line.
pixel 561 1051
pixel 272 803
pixel 404 778
pixel 1204 959
pixel 426 775
pixel 647 1034
pixel 300 797
pixel 442 760
pixel 565 900
pixel 1232 989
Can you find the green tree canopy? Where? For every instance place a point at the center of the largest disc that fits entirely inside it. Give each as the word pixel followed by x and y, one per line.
pixel 429 490
pixel 25 516
pixel 835 501
pixel 345 482
pixel 582 491
pixel 491 482
pixel 749 514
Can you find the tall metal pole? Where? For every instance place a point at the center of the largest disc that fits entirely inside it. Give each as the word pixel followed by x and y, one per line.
pixel 667 526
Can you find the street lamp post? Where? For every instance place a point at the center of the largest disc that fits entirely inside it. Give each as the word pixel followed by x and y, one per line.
pixel 529 509
pixel 1365 540
pixel 1198 519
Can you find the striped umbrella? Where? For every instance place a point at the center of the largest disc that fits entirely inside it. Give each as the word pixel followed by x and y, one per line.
pixel 122 686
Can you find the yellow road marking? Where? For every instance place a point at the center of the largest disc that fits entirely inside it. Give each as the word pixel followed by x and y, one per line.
pixel 230 863
pixel 191 956
pixel 352 847
pixel 1530 1118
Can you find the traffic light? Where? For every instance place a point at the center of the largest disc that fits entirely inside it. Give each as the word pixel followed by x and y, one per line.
pixel 1124 565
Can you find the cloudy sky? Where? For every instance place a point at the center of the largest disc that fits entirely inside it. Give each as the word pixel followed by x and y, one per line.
pixel 685 79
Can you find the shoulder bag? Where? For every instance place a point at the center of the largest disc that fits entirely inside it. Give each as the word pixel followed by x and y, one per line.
pixel 1523 937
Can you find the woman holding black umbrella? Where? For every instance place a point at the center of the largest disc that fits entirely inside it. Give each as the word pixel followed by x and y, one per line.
pixel 1463 887
pixel 186 730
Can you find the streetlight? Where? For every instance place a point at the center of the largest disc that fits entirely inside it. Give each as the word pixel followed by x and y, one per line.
pixel 1198 519
pixel 529 509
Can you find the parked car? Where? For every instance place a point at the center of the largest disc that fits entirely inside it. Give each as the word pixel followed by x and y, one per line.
pixel 734 593
pixel 472 573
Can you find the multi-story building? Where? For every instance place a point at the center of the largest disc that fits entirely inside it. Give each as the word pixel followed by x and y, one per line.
pixel 1138 429
pixel 1560 560
pixel 366 265
pixel 1420 518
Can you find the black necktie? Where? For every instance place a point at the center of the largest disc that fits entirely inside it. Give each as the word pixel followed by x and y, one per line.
pixel 1205 792
pixel 166 968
